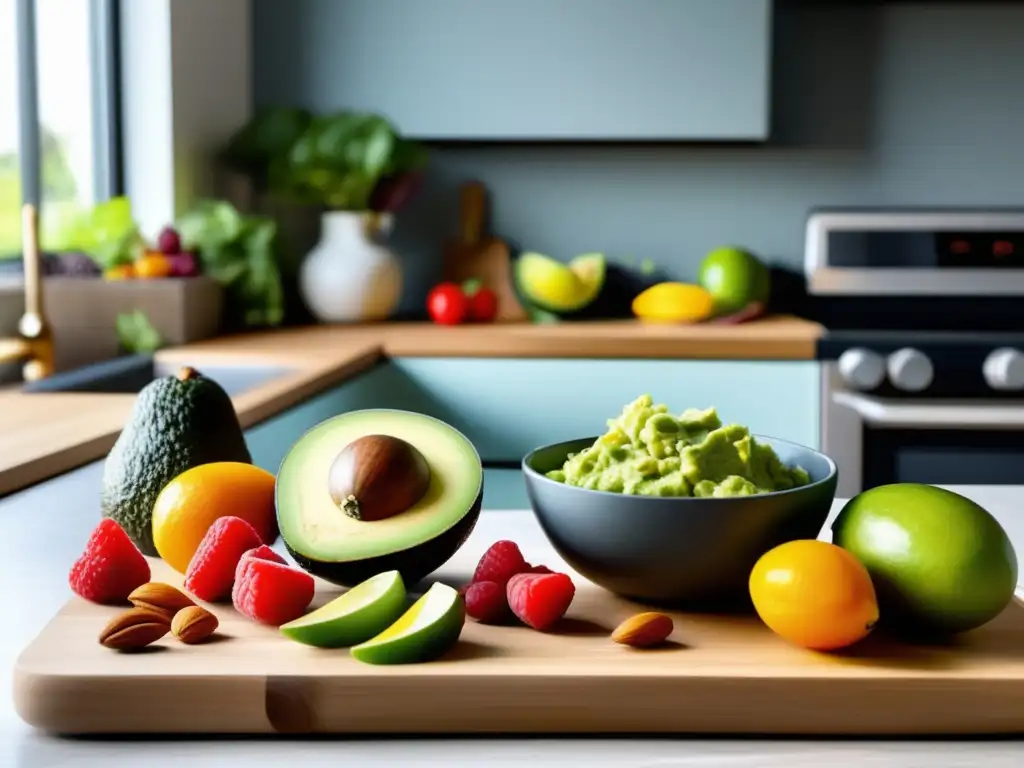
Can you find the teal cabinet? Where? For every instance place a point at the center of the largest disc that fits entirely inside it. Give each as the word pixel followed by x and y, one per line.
pixel 634 70
pixel 508 407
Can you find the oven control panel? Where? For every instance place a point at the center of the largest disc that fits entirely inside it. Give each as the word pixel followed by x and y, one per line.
pixel 911 252
pixel 936 365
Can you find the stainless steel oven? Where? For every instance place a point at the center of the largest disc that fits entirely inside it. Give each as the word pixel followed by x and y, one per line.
pixel 923 356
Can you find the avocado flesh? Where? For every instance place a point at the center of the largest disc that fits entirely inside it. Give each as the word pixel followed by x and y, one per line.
pixel 174 425
pixel 331 545
pixel 557 288
pixel 356 616
pixel 430 628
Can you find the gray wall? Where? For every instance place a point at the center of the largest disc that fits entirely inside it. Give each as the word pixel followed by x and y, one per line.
pixel 903 104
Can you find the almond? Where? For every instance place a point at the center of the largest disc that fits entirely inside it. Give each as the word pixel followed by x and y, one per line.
pixel 193 624
pixel 158 596
pixel 644 630
pixel 135 628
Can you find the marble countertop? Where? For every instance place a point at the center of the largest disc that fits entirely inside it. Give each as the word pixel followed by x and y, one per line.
pixel 44 529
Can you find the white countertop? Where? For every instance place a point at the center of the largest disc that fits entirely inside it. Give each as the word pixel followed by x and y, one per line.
pixel 43 529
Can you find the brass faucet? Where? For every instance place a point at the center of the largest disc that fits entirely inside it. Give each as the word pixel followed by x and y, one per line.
pixel 34 345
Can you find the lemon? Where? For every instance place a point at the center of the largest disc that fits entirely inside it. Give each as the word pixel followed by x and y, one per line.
pixel 674 303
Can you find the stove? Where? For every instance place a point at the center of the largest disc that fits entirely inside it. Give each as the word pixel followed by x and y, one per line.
pixel 923 354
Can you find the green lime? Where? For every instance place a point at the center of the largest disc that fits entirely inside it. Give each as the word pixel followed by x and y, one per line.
pixel 427 630
pixel 735 278
pixel 941 564
pixel 364 611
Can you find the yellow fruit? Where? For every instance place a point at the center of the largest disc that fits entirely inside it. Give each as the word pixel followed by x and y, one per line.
pixel 120 272
pixel 153 265
pixel 674 303
pixel 814 594
pixel 191 502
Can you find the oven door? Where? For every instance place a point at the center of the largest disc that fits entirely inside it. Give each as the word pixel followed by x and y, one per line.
pixel 875 441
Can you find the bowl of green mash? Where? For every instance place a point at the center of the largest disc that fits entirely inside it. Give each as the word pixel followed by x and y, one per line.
pixel 676 508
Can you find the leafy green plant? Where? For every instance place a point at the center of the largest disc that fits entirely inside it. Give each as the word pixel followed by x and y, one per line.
pixel 240 252
pixel 107 232
pixel 136 334
pixel 352 161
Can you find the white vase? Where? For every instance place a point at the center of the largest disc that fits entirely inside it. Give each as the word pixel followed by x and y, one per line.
pixel 350 276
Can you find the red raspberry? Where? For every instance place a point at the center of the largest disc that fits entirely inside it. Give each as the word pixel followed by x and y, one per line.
pixel 263 552
pixel 110 567
pixel 211 572
pixel 538 569
pixel 500 562
pixel 268 591
pixel 540 599
pixel 486 602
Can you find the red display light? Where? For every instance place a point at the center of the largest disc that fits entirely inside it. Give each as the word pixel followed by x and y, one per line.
pixel 1002 248
pixel 960 247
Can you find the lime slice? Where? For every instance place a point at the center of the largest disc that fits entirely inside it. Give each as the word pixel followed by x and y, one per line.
pixel 364 611
pixel 427 630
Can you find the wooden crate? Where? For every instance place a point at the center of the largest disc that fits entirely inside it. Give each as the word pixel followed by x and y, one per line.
pixel 83 313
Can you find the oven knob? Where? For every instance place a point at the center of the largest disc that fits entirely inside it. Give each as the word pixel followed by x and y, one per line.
pixel 910 370
pixel 861 368
pixel 1004 369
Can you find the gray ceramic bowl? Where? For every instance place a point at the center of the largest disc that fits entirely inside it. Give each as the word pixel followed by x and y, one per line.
pixel 697 551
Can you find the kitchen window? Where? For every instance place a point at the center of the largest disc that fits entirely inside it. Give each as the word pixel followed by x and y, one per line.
pixel 58 127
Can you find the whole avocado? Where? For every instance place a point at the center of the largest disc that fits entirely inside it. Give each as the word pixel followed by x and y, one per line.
pixel 177 422
pixel 941 564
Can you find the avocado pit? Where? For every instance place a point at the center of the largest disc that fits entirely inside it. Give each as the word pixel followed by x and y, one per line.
pixel 378 476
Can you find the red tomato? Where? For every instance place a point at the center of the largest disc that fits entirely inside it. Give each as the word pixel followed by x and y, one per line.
pixel 447 304
pixel 483 306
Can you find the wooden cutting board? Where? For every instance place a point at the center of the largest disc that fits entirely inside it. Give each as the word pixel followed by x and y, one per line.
pixel 476 254
pixel 719 674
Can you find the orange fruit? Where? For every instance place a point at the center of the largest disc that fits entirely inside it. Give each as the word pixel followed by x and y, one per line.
pixel 153 265
pixel 191 502
pixel 814 594
pixel 120 272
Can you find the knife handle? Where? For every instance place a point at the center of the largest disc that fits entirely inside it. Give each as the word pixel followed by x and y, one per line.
pixel 472 209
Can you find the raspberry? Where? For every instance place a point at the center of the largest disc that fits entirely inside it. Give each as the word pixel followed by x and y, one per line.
pixel 168 242
pixel 486 602
pixel 500 562
pixel 211 572
pixel 540 599
pixel 538 569
pixel 268 591
pixel 110 567
pixel 263 552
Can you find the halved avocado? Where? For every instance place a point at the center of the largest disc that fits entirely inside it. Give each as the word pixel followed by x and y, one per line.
pixel 335 536
pixel 552 286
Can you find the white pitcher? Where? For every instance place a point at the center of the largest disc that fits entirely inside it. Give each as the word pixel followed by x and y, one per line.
pixel 350 276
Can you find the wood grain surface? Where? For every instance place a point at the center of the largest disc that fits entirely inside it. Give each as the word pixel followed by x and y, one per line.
pixel 479 255
pixel 717 675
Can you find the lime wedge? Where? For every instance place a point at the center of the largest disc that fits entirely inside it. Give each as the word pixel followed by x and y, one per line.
pixel 354 617
pixel 427 630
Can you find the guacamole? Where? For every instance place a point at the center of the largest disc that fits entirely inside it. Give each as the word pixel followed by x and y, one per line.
pixel 649 452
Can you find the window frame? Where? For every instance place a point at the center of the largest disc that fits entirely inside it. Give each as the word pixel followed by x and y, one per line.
pixel 135 92
pixel 103 62
pixel 104 55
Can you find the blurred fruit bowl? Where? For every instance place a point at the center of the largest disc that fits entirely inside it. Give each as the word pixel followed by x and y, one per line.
pixel 166 259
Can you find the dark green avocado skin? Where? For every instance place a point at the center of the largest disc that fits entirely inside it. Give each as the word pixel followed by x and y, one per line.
pixel 414 564
pixel 174 425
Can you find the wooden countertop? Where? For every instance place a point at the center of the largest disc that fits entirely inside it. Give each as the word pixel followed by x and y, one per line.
pixel 42 435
